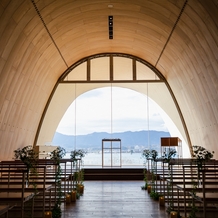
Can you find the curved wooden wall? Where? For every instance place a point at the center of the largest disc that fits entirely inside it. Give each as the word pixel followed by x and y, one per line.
pixel 40 39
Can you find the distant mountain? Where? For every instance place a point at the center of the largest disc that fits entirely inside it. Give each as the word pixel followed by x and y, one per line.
pixel 93 141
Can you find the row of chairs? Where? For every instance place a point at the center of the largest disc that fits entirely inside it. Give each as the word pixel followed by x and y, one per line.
pixel 36 192
pixel 184 186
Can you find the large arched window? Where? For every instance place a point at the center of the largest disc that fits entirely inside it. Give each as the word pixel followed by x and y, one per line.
pixel 104 70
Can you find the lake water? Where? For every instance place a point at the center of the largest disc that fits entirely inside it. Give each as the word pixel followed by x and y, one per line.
pixel 126 159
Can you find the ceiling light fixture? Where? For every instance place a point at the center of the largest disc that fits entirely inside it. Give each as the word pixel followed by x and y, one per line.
pixel 110 26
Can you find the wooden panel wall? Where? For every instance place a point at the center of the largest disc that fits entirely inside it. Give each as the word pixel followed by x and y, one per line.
pixel 34 54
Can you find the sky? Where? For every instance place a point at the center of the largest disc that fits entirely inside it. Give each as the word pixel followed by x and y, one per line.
pixel 119 110
pixel 101 110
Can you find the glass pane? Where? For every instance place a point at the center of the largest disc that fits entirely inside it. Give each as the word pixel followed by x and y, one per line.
pixel 93 159
pixel 100 68
pixel 107 145
pixel 78 73
pixel 144 73
pixel 107 158
pixel 122 68
pixel 116 145
pixel 116 158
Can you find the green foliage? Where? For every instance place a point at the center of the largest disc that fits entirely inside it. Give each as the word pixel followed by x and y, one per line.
pixel 154 195
pixel 77 154
pixel 57 155
pixel 146 154
pixel 26 155
pixel 169 194
pixel 168 155
pixel 169 209
pixel 154 154
pixel 145 179
pixel 194 209
pixel 76 176
pixel 81 176
pixel 77 195
pixel 202 155
pixel 150 154
pixel 144 187
pixel 29 158
pixel 56 211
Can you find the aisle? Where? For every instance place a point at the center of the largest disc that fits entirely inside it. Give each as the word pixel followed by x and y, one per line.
pixel 106 199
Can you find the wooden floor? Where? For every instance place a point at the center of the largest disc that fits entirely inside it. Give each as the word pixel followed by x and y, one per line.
pixel 103 199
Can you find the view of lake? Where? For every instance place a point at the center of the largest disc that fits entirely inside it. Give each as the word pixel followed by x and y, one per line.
pixel 127 159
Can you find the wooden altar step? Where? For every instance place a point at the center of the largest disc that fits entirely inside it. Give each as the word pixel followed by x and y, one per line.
pixel 113 174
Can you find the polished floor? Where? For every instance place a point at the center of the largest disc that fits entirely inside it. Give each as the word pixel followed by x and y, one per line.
pixel 105 199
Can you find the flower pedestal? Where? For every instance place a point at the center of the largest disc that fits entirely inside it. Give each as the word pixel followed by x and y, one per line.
pixel 161 201
pixel 80 189
pixel 173 214
pixel 149 189
pixel 73 196
pixel 48 214
pixel 68 199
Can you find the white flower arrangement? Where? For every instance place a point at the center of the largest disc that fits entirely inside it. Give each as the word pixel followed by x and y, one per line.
pixel 146 154
pixel 150 154
pixel 154 154
pixel 168 155
pixel 200 153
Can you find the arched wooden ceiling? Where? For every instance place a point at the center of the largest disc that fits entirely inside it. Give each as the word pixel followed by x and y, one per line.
pixel 40 39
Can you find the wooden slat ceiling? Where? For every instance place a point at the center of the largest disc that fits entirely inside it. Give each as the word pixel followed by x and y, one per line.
pixel 40 39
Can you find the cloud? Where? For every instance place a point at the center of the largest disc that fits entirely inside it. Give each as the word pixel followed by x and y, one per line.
pixel 96 111
pixel 129 113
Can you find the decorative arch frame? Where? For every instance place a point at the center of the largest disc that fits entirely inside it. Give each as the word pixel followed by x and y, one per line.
pixel 159 79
